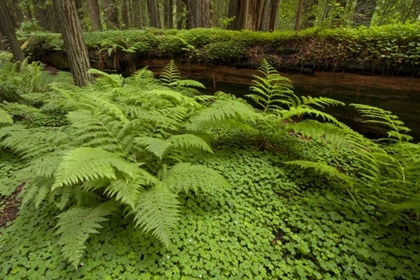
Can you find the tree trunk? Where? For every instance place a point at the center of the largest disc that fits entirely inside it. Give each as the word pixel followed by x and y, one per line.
pixel 137 17
pixel 168 11
pixel 7 28
pixel 74 44
pixel 198 13
pixel 95 15
pixel 45 15
pixel 180 5
pixel 124 14
pixel 258 15
pixel 364 12
pixel 299 15
pixel 111 14
pixel 154 16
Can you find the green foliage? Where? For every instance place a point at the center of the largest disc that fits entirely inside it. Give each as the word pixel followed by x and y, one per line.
pixel 139 149
pixel 385 49
pixel 265 227
pixel 108 153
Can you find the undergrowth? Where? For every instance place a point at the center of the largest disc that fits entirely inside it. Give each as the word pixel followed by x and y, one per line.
pixel 218 189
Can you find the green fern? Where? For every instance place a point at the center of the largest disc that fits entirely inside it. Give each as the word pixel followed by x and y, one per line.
pixel 396 128
pixel 157 211
pixel 76 225
pixel 272 90
pixel 5 118
pixel 185 177
pixel 170 73
pixel 84 164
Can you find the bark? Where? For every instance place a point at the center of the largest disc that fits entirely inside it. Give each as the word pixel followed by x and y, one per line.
pixel 74 44
pixel 111 14
pixel 364 12
pixel 136 14
pixel 45 15
pixel 154 16
pixel 180 14
pixel 258 15
pixel 299 15
pixel 124 14
pixel 95 15
pixel 80 13
pixel 198 13
pixel 8 29
pixel 168 11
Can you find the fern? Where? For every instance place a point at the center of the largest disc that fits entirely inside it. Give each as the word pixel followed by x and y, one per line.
pixel 396 128
pixel 273 90
pixel 77 224
pixel 221 111
pixel 157 211
pixel 170 73
pixel 84 164
pixel 184 177
pixel 5 118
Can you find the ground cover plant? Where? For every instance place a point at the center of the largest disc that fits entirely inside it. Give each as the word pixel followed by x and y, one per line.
pixel 179 185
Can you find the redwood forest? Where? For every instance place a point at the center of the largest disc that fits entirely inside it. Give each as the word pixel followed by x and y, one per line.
pixel 210 139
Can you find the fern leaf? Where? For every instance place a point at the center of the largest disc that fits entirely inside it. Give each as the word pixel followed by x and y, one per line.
pixel 188 141
pixel 107 80
pixel 5 118
pixel 376 115
pixel 222 110
pixel 157 211
pixel 84 164
pixel 170 73
pixel 76 225
pixel 37 190
pixel 323 169
pixel 186 177
pixel 156 146
pixel 187 83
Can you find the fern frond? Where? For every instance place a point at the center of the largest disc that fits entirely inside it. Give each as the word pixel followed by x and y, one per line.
pixel 396 128
pixel 187 83
pixel 189 141
pixel 320 101
pixel 84 164
pixel 323 169
pixel 300 111
pixel 186 177
pixel 157 211
pixel 29 143
pixel 156 146
pixel 222 110
pixel 97 130
pixel 170 73
pixel 107 80
pixel 37 190
pixel 5 118
pixel 76 225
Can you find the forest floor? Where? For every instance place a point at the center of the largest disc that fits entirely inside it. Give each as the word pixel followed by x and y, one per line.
pixel 9 207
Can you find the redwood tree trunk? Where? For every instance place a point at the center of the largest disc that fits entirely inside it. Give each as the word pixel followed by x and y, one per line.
pixel 111 12
pixel 124 14
pixel 168 12
pixel 95 15
pixel 299 15
pixel 74 44
pixel 198 13
pixel 179 14
pixel 254 14
pixel 8 29
pixel 45 15
pixel 154 16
